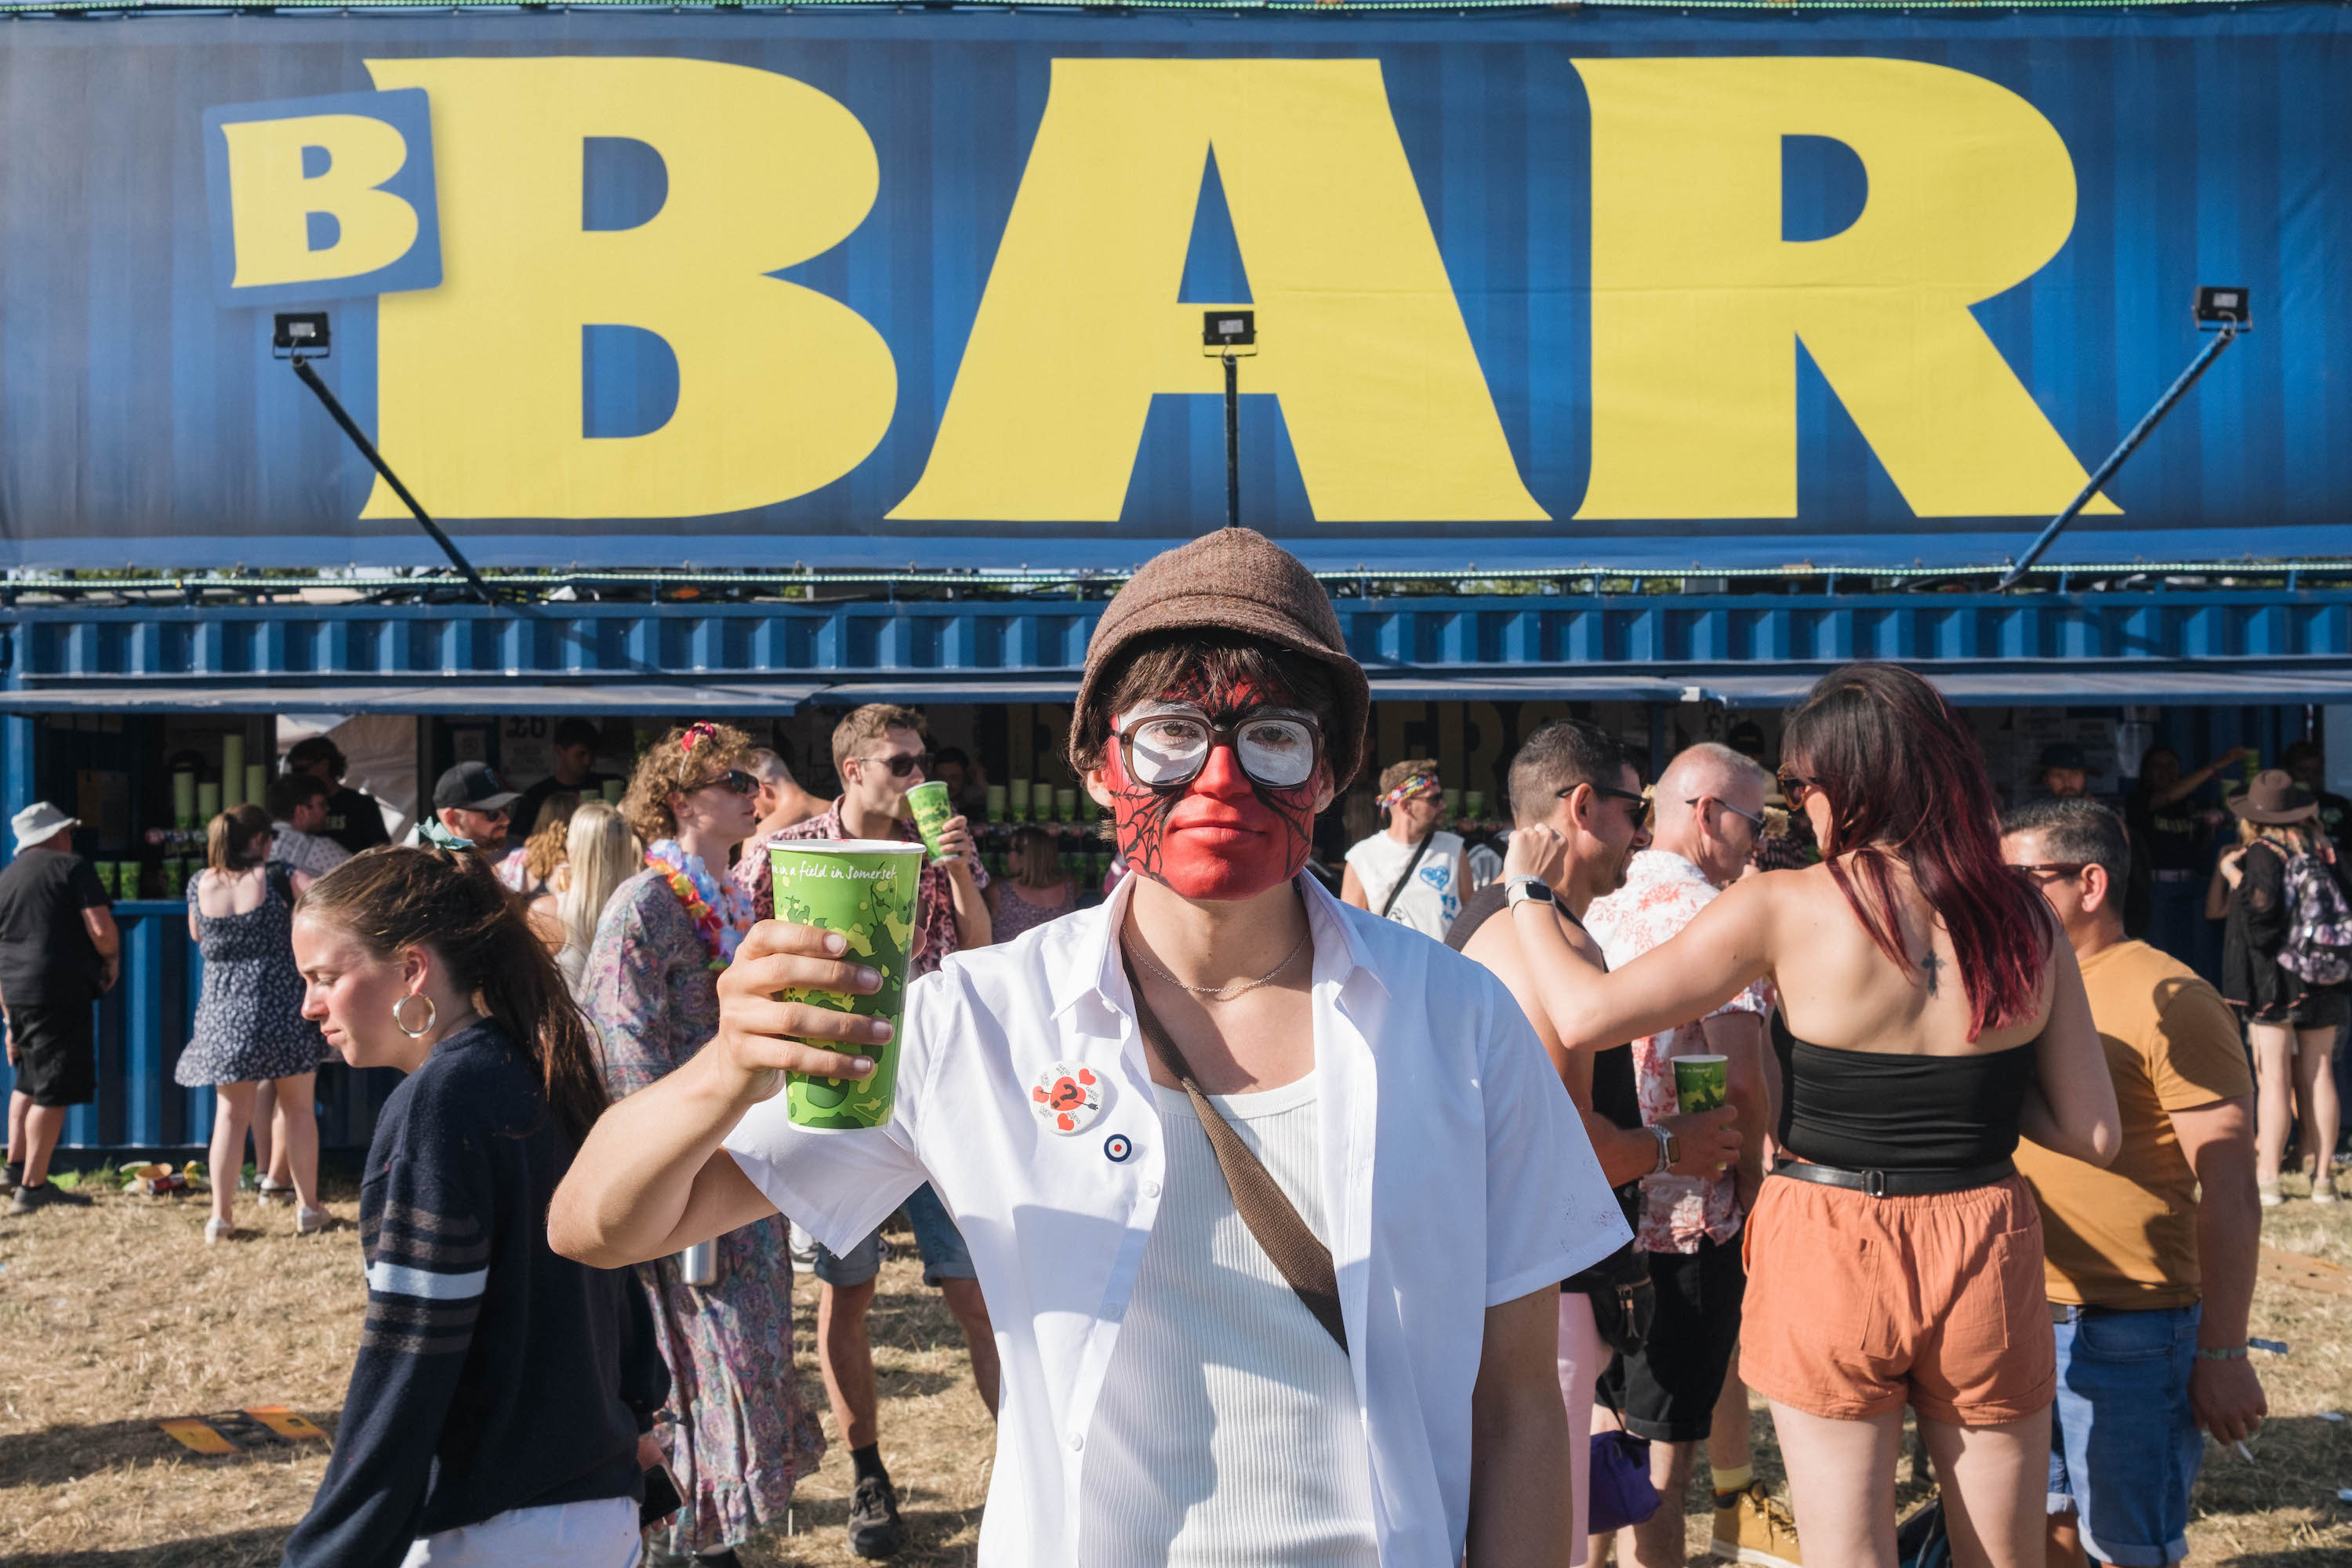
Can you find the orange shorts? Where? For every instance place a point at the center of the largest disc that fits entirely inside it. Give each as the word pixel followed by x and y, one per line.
pixel 1857 1305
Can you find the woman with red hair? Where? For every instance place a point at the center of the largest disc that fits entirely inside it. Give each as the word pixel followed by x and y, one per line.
pixel 1933 1015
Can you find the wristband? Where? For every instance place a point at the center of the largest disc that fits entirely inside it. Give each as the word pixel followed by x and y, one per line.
pixel 2231 1352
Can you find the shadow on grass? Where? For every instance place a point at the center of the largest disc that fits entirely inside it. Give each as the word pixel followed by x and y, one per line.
pixel 238 1548
pixel 819 1523
pixel 61 1454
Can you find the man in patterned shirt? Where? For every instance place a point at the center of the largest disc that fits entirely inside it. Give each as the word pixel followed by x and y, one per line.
pixel 880 753
pixel 1677 1389
pixel 298 818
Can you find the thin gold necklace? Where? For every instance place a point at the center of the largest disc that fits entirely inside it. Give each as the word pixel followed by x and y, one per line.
pixel 1226 992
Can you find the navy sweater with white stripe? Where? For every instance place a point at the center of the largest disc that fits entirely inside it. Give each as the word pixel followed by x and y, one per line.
pixel 492 1374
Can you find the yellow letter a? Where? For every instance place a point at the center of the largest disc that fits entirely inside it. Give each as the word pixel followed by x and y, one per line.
pixel 781 390
pixel 1698 304
pixel 1359 333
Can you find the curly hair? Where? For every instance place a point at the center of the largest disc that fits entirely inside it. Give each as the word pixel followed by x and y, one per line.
pixel 670 767
pixel 543 851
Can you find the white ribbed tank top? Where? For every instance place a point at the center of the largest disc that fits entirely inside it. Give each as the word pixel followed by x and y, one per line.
pixel 1227 1434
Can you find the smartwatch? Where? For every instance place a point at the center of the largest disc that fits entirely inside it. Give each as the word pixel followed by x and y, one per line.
pixel 1670 1148
pixel 1528 889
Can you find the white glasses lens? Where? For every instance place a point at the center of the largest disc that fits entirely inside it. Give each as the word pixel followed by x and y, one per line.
pixel 1278 751
pixel 1167 750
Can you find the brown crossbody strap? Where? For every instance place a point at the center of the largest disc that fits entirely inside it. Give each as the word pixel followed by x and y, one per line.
pixel 1303 1261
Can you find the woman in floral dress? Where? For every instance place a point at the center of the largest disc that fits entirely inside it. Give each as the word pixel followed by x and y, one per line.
pixel 737 1429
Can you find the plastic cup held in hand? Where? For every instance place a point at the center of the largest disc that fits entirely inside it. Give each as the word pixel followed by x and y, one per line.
pixel 933 811
pixel 864 889
pixel 1701 1084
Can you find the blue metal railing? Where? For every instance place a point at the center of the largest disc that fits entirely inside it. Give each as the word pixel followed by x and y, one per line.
pixel 143 1026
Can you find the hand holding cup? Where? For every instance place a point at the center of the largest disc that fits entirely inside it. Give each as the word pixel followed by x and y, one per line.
pixel 761 1037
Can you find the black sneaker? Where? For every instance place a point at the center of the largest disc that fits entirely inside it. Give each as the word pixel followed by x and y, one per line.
pixel 48 1194
pixel 12 1175
pixel 875 1528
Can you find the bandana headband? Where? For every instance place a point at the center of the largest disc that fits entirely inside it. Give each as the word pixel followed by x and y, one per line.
pixel 1418 784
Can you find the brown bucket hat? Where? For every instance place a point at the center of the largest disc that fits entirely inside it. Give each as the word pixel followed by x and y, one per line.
pixel 2275 797
pixel 1233 580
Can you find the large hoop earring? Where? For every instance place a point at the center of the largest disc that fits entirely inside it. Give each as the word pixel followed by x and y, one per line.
pixel 431 1012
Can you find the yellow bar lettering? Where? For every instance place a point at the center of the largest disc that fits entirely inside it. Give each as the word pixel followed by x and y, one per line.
pixel 1698 304
pixel 271 200
pixel 781 390
pixel 1080 326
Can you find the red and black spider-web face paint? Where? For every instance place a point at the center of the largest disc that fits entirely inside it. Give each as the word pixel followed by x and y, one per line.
pixel 1222 836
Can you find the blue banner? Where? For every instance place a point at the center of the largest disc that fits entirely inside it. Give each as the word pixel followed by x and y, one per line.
pixel 866 288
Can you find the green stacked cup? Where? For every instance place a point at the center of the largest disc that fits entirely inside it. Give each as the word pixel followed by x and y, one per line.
pixel 865 889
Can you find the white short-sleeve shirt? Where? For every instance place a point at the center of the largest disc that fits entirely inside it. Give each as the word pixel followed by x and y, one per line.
pixel 1456 1174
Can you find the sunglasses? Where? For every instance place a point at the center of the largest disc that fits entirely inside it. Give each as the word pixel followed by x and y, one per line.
pixel 902 764
pixel 1794 789
pixel 734 781
pixel 1635 798
pixel 1168 750
pixel 1754 820
pixel 2052 868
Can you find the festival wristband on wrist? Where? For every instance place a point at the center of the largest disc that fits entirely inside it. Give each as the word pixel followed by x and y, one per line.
pixel 2227 1352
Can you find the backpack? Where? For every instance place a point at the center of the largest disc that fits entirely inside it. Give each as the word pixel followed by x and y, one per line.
pixel 2318 946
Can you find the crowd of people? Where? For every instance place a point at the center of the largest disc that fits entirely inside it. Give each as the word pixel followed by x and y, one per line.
pixel 1400 1225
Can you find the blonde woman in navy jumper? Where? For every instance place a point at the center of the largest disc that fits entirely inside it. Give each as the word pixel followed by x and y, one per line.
pixel 500 1406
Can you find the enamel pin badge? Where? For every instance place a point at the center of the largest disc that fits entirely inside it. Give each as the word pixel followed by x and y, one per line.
pixel 1067 1097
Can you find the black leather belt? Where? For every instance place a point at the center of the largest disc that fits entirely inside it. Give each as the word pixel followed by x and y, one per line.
pixel 1897 1184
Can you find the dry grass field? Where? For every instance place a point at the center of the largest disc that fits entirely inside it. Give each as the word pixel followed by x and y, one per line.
pixel 115 1316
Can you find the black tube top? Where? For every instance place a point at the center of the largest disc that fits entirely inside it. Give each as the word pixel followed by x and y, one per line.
pixel 1865 1112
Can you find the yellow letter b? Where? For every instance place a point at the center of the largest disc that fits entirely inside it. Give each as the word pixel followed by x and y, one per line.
pixel 781 390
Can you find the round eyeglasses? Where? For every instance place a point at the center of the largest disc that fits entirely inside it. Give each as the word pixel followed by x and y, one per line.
pixel 1166 751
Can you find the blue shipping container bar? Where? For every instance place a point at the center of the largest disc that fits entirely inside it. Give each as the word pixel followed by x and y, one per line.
pixel 2224 666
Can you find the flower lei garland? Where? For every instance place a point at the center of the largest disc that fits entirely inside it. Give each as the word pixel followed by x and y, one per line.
pixel 721 912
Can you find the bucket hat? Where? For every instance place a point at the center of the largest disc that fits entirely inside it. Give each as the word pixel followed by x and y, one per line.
pixel 1235 579
pixel 38 822
pixel 2275 797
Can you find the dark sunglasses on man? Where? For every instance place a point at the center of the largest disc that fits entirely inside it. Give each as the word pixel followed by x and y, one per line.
pixel 904 763
pixel 1635 799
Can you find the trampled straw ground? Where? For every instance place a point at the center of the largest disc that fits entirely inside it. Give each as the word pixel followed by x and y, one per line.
pixel 115 1316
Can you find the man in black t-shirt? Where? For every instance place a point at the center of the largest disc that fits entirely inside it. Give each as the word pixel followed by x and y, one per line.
pixel 354 818
pixel 576 741
pixel 59 952
pixel 2307 766
pixel 2164 899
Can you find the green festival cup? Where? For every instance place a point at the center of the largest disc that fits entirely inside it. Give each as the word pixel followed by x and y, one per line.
pixel 933 811
pixel 864 889
pixel 1700 1084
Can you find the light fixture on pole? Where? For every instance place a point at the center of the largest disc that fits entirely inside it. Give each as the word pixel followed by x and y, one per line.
pixel 302 336
pixel 2224 311
pixel 1224 334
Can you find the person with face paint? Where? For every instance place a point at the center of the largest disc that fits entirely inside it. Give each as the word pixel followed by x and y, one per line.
pixel 1270 1198
pixel 1411 871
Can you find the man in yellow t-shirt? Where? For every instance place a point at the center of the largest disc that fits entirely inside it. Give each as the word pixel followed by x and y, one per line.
pixel 2150 1262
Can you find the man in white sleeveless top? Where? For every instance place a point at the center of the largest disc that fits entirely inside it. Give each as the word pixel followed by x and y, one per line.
pixel 1171 1393
pixel 1411 871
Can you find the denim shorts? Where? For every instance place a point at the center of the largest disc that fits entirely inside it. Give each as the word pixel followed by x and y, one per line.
pixel 945 1257
pixel 2124 1450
